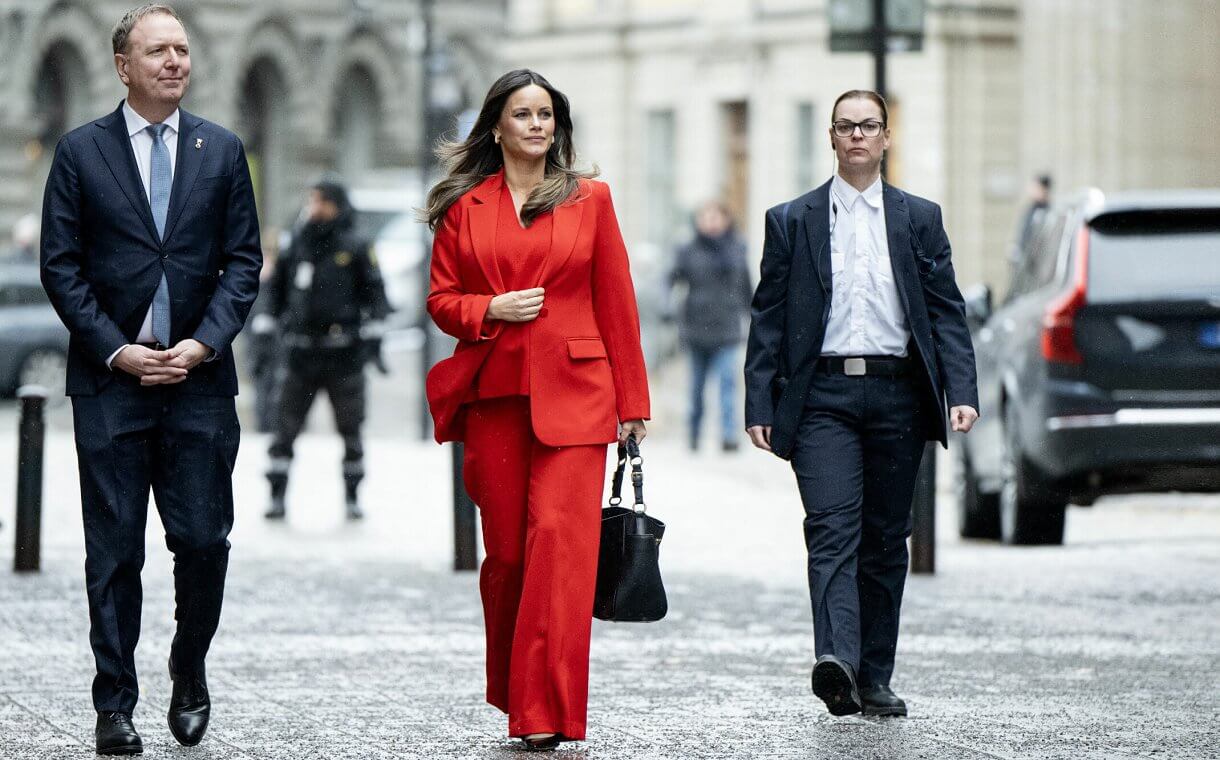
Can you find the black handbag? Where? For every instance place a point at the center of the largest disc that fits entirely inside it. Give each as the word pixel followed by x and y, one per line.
pixel 629 587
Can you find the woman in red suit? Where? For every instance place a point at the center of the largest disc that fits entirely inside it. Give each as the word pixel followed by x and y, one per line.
pixel 530 274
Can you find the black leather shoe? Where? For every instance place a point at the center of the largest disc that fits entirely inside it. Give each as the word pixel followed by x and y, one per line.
pixel 835 684
pixel 115 735
pixel 189 707
pixel 881 702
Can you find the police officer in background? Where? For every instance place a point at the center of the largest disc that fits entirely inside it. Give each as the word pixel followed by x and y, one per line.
pixel 328 297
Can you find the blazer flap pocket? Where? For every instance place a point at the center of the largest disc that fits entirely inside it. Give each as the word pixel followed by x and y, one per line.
pixel 586 348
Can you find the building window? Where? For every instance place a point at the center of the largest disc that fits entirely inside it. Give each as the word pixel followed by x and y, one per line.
pixel 804 147
pixel 662 201
pixel 735 180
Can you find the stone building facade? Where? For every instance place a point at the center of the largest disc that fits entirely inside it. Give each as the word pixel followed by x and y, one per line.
pixel 310 86
pixel 681 100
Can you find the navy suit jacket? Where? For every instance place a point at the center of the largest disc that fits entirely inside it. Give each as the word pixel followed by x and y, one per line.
pixel 102 258
pixel 792 306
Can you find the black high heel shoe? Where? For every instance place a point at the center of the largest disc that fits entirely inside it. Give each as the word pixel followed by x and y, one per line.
pixel 541 744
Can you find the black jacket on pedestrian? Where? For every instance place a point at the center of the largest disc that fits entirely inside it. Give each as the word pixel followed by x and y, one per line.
pixel 327 283
pixel 717 277
pixel 792 307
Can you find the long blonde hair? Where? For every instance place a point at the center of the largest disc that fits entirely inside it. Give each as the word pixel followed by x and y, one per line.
pixel 469 162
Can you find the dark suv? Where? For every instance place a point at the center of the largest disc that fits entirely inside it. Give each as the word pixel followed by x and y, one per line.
pixel 33 342
pixel 1100 373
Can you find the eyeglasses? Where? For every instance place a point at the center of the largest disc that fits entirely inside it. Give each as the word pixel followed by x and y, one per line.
pixel 845 128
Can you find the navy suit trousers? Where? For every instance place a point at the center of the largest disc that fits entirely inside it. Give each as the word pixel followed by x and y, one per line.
pixel 130 439
pixel 857 454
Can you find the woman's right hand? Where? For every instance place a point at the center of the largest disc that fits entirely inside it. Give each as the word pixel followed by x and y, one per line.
pixel 516 305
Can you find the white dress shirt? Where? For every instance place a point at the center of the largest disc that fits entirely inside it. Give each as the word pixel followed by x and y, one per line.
pixel 866 314
pixel 141 145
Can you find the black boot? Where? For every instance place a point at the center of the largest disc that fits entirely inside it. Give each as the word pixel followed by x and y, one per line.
pixel 353 472
pixel 351 483
pixel 279 486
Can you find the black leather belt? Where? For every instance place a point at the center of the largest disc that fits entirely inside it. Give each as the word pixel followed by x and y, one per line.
pixel 860 366
pixel 153 346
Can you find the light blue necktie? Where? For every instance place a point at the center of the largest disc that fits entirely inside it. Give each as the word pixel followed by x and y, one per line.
pixel 160 180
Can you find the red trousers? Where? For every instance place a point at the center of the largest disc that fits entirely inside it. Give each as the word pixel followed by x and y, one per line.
pixel 541 515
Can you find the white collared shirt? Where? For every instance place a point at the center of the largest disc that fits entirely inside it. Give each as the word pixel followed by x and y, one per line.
pixel 866 314
pixel 141 145
pixel 142 142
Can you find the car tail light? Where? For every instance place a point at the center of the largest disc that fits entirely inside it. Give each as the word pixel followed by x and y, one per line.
pixel 1059 321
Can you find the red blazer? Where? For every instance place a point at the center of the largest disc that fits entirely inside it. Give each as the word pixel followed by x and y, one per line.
pixel 586 366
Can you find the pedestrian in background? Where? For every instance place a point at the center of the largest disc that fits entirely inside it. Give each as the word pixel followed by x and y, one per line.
pixel 150 254
pixel 1039 195
pixel 714 270
pixel 858 336
pixel 530 274
pixel 328 297
pixel 263 343
pixel 25 240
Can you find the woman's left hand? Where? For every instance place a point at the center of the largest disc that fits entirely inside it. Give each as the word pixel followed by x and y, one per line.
pixel 632 427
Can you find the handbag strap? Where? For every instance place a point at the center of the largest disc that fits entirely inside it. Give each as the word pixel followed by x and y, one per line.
pixel 629 452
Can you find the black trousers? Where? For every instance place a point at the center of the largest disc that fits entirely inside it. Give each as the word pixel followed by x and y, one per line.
pixel 183 446
pixel 341 373
pixel 856 459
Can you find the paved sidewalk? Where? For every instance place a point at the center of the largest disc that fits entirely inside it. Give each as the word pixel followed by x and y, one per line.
pixel 357 641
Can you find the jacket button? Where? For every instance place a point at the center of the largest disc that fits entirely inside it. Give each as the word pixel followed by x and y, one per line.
pixel 543 312
pixel 164 256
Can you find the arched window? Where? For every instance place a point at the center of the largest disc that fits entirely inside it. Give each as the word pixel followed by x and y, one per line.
pixel 61 93
pixel 357 118
pixel 264 127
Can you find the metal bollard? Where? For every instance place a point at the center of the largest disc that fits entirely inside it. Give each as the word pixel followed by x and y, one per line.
pixel 28 528
pixel 923 512
pixel 465 529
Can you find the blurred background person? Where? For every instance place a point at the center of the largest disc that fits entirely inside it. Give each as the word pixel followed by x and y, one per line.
pixel 714 270
pixel 326 294
pixel 263 340
pixel 1039 200
pixel 24 248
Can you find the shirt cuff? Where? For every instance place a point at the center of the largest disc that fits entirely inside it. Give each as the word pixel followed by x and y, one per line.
pixel 110 359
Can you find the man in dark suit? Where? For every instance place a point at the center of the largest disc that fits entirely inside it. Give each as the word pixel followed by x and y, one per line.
pixel 150 254
pixel 858 336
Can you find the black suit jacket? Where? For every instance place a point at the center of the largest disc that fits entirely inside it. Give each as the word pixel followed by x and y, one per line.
pixel 792 305
pixel 102 258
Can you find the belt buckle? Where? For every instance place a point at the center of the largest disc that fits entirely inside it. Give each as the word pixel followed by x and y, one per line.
pixel 855 367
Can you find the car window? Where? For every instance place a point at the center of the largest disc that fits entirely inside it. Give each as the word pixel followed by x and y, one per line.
pixel 1048 257
pixel 401 227
pixel 370 223
pixel 1150 256
pixel 19 294
pixel 1039 257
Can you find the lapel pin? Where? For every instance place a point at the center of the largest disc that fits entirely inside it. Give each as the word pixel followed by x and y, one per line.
pixel 198 143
